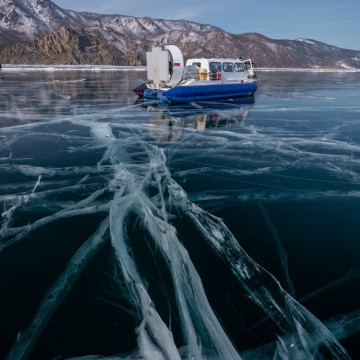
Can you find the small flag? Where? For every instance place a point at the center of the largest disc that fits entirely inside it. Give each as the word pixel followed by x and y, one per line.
pixel 176 64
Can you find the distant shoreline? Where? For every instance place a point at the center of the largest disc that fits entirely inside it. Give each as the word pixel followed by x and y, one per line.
pixel 53 68
pixel 42 67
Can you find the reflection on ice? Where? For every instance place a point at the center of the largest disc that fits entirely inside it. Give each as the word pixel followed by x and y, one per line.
pixel 168 122
pixel 124 176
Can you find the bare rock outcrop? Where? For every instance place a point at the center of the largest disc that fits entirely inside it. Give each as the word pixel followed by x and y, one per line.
pixel 68 47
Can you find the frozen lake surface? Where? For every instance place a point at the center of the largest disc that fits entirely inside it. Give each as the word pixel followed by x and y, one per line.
pixel 211 230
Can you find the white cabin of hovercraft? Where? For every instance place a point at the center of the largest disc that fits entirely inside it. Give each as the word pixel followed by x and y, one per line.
pixel 166 68
pixel 219 69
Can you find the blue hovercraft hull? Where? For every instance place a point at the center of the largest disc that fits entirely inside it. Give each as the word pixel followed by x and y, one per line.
pixel 180 94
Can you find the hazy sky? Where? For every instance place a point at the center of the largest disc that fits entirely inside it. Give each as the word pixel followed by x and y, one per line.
pixel 333 22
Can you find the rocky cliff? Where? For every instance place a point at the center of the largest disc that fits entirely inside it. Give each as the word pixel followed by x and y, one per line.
pixel 68 47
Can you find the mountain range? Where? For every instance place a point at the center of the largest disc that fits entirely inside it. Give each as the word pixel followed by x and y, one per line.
pixel 40 32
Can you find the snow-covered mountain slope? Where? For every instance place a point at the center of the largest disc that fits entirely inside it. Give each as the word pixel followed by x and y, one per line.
pixel 25 19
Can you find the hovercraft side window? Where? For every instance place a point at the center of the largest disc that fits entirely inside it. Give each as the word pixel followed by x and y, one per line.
pixel 239 67
pixel 215 66
pixel 228 67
